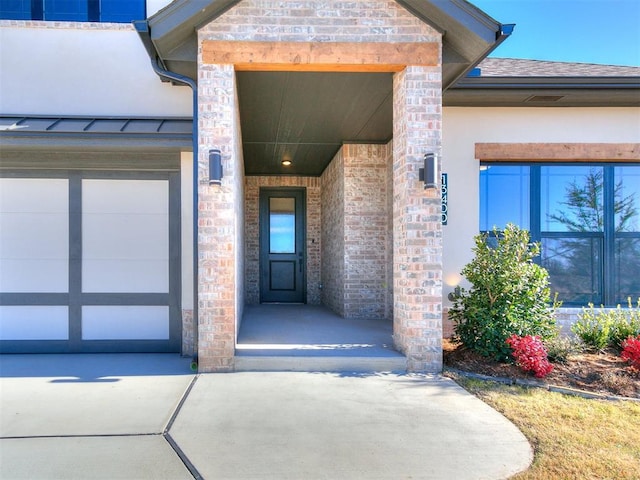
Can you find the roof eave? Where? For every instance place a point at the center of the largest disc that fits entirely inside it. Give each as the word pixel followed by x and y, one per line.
pixel 469 34
pixel 518 91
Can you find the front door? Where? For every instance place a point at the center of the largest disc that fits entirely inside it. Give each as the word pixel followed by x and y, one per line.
pixel 282 245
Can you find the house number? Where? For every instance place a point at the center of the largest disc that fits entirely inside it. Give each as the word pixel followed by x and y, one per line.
pixel 445 192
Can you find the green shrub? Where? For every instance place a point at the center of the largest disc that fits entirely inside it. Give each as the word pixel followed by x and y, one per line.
pixel 561 347
pixel 593 328
pixel 510 295
pixel 607 328
pixel 625 324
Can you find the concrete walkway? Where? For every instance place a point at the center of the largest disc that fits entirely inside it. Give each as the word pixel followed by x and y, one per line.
pixel 147 417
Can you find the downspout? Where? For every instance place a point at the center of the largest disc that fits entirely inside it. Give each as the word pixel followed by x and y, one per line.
pixel 142 27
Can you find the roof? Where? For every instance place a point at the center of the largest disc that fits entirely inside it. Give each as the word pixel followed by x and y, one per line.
pixel 309 115
pixel 72 131
pixel 469 34
pixel 518 82
pixel 516 67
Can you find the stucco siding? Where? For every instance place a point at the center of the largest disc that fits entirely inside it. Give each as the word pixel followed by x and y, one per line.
pixel 464 127
pixel 74 68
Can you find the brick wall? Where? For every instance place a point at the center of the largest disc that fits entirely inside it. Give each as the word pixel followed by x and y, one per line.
pixel 312 21
pixel 356 231
pixel 365 231
pixel 188 333
pixel 389 259
pixel 417 232
pixel 220 220
pixel 333 235
pixel 252 240
pixel 417 249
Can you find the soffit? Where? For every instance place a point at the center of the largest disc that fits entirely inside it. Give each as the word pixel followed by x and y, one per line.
pixel 468 33
pixel 307 116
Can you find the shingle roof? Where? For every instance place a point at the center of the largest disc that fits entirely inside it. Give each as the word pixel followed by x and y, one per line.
pixel 515 67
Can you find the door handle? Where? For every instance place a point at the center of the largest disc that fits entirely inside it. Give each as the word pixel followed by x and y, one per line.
pixel 300 259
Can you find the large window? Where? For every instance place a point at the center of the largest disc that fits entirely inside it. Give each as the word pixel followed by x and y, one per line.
pixel 121 11
pixel 587 218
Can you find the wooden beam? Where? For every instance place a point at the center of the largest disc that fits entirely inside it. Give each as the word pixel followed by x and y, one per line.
pixel 320 56
pixel 558 152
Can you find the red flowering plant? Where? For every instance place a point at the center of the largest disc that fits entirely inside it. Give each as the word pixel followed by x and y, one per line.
pixel 631 351
pixel 530 354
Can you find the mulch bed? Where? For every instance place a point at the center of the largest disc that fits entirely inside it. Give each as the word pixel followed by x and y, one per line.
pixel 604 373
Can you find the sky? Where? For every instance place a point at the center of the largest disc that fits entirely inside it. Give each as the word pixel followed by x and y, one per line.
pixel 587 31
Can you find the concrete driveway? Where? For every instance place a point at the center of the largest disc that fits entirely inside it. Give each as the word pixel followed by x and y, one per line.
pixel 148 417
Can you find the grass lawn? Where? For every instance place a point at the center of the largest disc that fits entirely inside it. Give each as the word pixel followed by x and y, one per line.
pixel 572 437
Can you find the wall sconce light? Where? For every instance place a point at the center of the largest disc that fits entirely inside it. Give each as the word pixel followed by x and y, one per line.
pixel 429 174
pixel 215 167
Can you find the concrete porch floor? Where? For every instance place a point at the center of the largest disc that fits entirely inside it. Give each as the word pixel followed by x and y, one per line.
pixel 287 337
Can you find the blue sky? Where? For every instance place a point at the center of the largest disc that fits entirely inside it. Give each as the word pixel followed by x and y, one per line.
pixel 590 31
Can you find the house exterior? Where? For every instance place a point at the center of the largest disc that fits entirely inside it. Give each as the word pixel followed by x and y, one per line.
pixel 158 176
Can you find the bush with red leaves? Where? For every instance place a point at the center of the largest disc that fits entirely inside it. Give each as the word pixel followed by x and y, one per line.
pixel 631 351
pixel 530 354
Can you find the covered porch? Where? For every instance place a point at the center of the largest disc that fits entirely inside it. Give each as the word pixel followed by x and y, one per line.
pixel 289 337
pixel 351 110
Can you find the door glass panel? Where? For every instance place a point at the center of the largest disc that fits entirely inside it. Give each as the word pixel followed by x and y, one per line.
pixel 282 225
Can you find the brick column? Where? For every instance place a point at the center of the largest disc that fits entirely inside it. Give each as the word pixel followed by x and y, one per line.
pixel 217 219
pixel 417 232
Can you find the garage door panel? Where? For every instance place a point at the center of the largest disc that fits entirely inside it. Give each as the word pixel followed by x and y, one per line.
pixel 31 322
pixel 125 322
pixel 125 276
pixel 34 233
pixel 124 196
pixel 43 195
pixel 34 275
pixel 125 236
pixel 85 262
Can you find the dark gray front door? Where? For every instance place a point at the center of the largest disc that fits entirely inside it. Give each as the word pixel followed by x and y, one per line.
pixel 282 245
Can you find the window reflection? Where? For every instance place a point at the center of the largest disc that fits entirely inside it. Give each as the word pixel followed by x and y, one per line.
pixel 504 196
pixel 282 220
pixel 627 199
pixel 571 199
pixel 574 268
pixel 627 264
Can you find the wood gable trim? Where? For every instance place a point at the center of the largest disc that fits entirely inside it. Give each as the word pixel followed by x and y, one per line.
pixel 320 56
pixel 558 152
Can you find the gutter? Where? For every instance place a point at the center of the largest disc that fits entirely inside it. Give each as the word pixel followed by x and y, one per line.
pixel 142 27
pixel 504 32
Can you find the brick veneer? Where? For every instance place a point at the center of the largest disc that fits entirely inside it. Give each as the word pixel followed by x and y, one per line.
pixel 355 230
pixel 417 249
pixel 220 220
pixel 417 232
pixel 252 243
pixel 333 235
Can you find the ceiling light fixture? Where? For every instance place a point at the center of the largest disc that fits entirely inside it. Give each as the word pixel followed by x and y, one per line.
pixel 286 162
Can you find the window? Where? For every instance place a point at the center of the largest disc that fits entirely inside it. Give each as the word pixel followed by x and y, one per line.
pixel 121 11
pixel 586 216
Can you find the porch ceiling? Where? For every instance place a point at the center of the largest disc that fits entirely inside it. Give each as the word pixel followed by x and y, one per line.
pixel 305 117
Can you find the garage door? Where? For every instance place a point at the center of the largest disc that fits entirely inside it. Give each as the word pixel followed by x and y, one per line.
pixel 89 262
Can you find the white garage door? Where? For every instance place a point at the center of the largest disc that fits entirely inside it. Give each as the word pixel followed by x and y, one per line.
pixel 88 263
